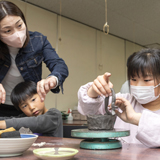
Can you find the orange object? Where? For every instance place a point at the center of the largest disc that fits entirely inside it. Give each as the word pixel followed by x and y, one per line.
pixel 7 130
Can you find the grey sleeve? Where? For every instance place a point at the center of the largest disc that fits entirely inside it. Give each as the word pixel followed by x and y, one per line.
pixel 3 118
pixel 21 115
pixel 49 124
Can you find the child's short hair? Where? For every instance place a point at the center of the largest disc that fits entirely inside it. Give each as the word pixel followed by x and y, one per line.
pixel 145 61
pixel 22 92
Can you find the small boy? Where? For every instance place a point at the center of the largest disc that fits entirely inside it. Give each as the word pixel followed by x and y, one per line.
pixel 35 115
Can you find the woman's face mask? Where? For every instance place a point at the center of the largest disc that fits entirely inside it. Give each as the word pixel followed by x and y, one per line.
pixel 15 40
pixel 13 31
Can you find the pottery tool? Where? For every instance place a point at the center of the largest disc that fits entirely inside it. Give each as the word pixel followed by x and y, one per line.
pixel 103 139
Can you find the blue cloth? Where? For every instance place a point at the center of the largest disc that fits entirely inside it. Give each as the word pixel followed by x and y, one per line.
pixel 29 61
pixel 39 134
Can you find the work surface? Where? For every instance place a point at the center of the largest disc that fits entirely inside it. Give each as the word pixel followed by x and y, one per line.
pixel 127 152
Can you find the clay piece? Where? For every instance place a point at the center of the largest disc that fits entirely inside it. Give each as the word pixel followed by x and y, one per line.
pixel 106 121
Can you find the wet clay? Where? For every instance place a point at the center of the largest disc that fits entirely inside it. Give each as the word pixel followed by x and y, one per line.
pixel 106 121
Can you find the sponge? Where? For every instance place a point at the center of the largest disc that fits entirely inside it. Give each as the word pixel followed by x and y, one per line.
pixel 7 130
pixel 13 134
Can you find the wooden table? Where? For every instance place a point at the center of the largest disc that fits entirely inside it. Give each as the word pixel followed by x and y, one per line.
pixel 127 152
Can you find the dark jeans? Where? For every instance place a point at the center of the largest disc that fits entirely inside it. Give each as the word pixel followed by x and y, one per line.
pixel 8 110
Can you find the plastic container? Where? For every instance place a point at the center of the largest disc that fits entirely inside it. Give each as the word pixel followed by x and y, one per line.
pixel 70 117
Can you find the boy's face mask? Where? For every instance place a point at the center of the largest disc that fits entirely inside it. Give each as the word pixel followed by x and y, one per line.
pixel 144 94
pixel 15 40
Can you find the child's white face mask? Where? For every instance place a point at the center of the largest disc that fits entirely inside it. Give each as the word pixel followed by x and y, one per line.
pixel 15 40
pixel 144 94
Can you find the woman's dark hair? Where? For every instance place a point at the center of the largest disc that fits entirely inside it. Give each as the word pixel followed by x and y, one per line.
pixel 145 61
pixel 22 92
pixel 9 8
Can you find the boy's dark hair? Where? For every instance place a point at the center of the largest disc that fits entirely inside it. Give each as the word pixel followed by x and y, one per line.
pixel 145 61
pixel 22 92
pixel 10 9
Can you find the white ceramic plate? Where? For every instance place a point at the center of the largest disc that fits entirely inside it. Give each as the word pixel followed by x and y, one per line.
pixel 50 153
pixel 16 146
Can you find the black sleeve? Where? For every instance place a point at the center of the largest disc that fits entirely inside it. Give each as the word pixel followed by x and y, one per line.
pixel 49 124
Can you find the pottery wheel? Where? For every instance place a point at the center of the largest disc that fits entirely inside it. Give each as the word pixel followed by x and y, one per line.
pixel 100 139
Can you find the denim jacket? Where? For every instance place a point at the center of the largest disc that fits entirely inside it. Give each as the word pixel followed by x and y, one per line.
pixel 29 61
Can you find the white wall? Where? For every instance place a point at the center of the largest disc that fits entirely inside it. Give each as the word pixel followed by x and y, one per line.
pixel 87 52
pixel 78 50
pixel 111 58
pixel 131 48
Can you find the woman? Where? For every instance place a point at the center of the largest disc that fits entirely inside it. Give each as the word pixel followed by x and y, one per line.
pixel 21 56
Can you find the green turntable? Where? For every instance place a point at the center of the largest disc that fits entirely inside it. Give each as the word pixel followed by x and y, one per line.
pixel 101 133
pixel 103 139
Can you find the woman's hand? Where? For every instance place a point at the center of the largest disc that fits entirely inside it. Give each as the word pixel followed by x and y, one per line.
pixel 101 86
pixel 2 94
pixel 128 114
pixel 44 86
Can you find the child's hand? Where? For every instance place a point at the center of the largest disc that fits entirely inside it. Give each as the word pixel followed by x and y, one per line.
pixel 128 114
pixel 2 94
pixel 101 86
pixel 2 124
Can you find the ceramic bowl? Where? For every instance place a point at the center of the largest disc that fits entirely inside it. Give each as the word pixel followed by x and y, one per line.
pixel 16 146
pixel 53 153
